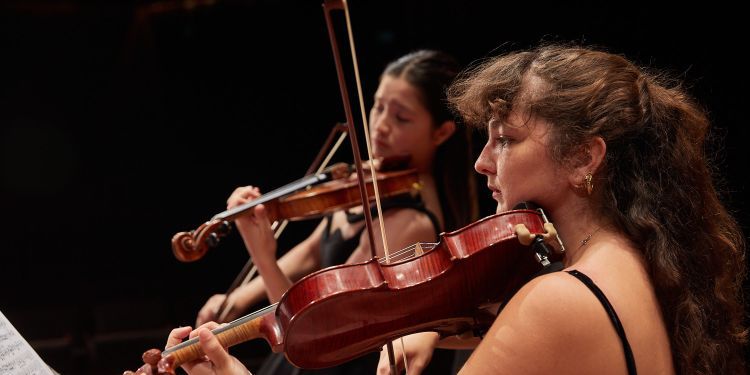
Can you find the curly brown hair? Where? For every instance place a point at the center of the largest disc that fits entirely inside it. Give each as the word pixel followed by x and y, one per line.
pixel 656 183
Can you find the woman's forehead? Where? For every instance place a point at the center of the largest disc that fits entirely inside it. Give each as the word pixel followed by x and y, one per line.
pixel 399 91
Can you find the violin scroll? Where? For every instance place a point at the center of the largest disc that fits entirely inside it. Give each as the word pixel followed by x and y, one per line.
pixel 191 246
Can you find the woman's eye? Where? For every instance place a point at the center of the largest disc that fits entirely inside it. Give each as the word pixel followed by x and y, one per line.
pixel 503 141
pixel 401 119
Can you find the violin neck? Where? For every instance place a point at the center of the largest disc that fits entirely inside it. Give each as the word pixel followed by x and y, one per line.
pixel 230 214
pixel 249 327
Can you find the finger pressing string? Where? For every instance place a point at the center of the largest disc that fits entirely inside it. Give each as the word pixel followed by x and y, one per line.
pixel 176 336
pixel 214 350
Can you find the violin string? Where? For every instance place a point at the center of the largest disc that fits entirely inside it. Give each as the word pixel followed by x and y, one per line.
pixel 409 251
pixel 284 190
pixel 397 253
pixel 225 327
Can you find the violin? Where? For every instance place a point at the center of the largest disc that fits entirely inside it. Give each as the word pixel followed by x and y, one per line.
pixel 335 315
pixel 335 190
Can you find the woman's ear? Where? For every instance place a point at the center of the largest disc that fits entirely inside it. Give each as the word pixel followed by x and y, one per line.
pixel 443 132
pixel 586 163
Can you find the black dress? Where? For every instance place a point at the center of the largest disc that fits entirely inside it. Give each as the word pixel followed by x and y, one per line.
pixel 335 250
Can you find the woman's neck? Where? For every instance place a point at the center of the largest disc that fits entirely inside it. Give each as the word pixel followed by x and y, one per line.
pixel 578 226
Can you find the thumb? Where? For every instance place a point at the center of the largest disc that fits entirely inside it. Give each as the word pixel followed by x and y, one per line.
pixel 261 213
pixel 213 350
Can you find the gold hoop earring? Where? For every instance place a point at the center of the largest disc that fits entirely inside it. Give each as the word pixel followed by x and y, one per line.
pixel 589 183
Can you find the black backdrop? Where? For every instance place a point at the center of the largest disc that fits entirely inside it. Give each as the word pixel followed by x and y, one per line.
pixel 124 122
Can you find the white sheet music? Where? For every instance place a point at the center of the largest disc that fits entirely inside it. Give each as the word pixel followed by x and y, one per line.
pixel 16 355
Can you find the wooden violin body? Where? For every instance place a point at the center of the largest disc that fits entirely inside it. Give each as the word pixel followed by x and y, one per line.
pixel 342 312
pixel 440 290
pixel 337 195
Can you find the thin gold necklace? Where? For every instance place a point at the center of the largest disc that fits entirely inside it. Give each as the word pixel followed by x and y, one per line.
pixel 588 238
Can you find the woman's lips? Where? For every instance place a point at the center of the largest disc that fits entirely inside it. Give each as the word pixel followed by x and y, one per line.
pixel 496 193
pixel 381 144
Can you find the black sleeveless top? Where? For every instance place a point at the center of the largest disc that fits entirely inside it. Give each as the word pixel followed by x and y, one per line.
pixel 629 360
pixel 335 250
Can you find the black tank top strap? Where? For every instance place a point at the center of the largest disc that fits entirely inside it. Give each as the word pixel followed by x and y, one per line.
pixel 629 360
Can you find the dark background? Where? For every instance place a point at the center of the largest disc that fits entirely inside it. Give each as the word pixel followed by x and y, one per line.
pixel 124 122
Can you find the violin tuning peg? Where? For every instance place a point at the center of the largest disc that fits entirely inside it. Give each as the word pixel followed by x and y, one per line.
pixel 212 240
pixel 151 356
pixel 224 228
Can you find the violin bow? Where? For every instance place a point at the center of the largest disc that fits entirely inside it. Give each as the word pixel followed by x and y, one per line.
pixel 328 7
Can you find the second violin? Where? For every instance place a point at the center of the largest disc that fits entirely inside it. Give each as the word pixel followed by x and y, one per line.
pixel 300 200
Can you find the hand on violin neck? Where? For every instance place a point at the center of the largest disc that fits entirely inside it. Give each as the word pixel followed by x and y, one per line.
pixel 216 361
pixel 255 229
pixel 242 195
pixel 254 226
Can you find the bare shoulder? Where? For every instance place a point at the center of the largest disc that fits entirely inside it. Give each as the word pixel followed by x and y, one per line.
pixel 554 314
pixel 552 299
pixel 407 226
pixel 403 226
pixel 546 305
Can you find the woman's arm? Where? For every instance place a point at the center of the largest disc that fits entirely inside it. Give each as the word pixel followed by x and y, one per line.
pixel 276 275
pixel 296 263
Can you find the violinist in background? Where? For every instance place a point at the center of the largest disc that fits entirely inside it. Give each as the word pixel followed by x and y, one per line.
pixel 410 116
pixel 654 262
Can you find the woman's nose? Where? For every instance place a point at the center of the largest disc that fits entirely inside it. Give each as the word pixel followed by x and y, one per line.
pixel 485 163
pixel 380 125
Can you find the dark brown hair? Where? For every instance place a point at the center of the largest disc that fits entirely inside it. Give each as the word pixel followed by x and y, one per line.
pixel 655 184
pixel 431 72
